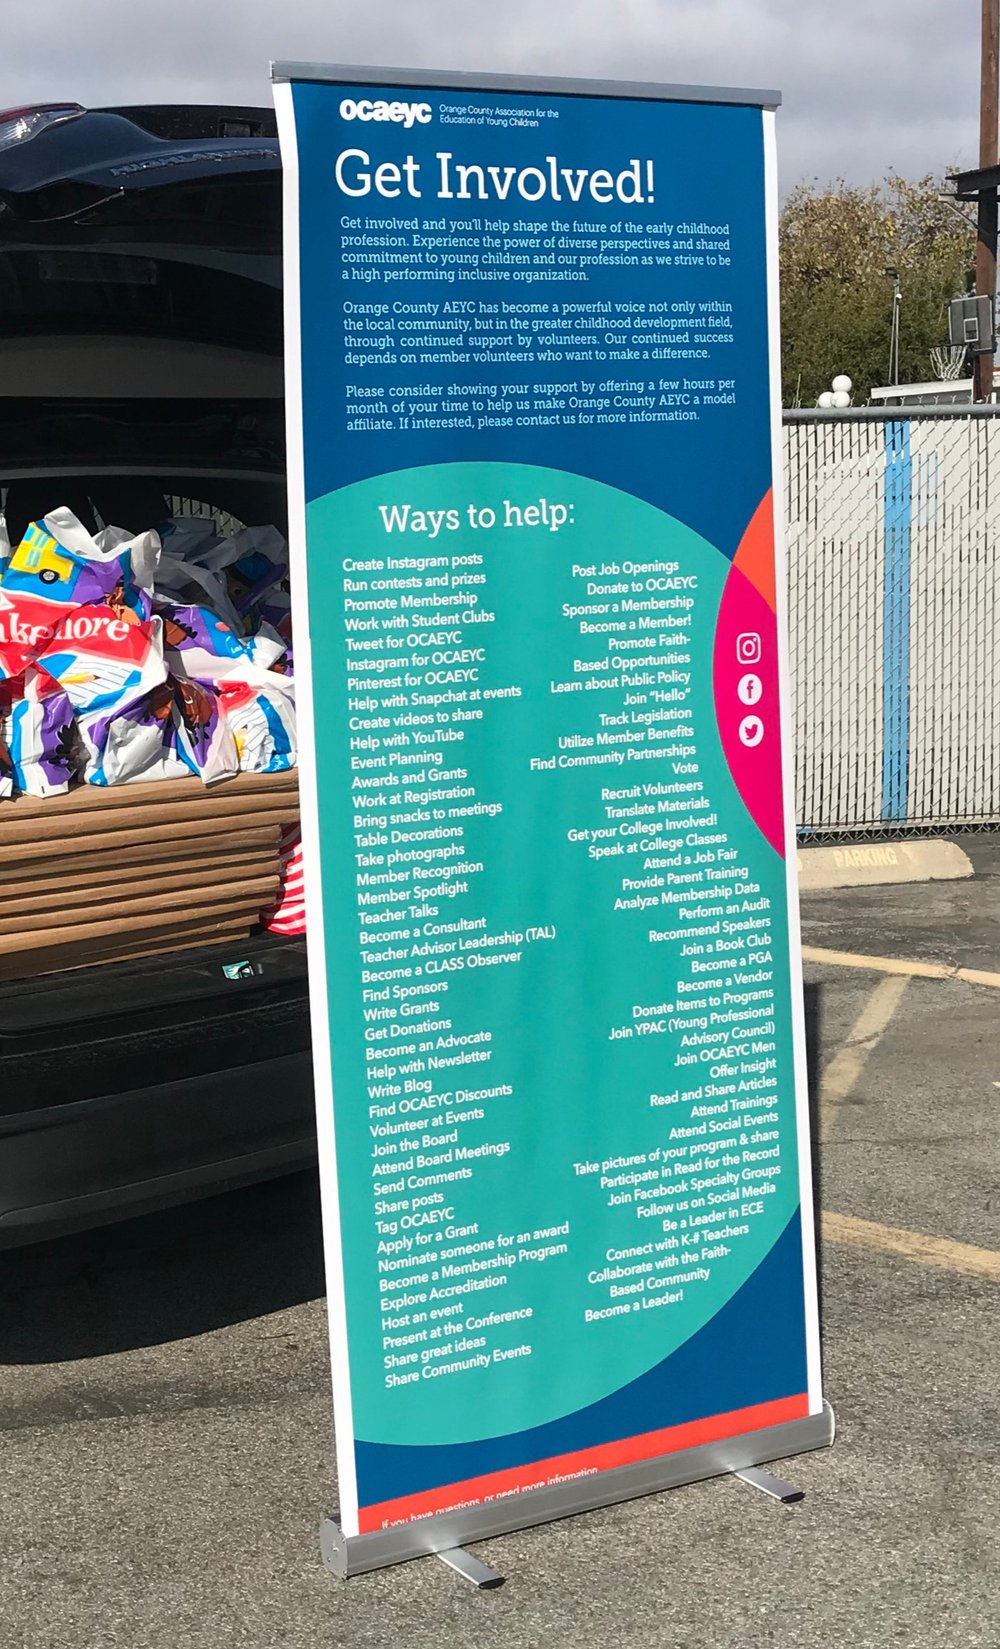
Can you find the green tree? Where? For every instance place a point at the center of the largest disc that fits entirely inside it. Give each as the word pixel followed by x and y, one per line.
pixel 836 244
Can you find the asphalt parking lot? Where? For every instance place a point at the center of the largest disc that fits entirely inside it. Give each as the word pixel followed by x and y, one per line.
pixel 165 1446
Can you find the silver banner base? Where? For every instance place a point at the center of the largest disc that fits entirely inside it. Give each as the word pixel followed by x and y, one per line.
pixel 346 1555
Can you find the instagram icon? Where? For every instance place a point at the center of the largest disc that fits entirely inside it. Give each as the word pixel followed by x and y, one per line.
pixel 748 647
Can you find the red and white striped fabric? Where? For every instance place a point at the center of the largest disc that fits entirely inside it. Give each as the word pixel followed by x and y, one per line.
pixel 288 913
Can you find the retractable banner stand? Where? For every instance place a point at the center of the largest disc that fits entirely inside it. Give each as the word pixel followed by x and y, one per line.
pixel 532 378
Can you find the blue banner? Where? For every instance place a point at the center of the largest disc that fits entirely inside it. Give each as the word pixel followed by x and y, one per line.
pixel 557 999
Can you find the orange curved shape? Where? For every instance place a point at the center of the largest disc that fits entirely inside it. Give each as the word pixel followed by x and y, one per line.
pixel 755 556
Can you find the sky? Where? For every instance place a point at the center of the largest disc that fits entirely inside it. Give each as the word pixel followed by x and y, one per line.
pixel 868 87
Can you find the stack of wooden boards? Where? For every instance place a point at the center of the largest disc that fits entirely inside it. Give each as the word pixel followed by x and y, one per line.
pixel 111 875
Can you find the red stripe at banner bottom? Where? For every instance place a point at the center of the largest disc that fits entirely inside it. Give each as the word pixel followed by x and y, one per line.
pixel 477 1491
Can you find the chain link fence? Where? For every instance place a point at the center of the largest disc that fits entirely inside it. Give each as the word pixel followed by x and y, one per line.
pixel 893 530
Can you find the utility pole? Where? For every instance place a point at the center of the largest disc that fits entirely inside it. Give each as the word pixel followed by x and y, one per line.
pixel 986 221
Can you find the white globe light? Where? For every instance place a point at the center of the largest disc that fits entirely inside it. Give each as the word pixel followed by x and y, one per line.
pixel 840 398
pixel 842 382
pixel 826 400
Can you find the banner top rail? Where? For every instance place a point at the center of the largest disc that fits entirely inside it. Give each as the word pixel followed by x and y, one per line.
pixel 350 74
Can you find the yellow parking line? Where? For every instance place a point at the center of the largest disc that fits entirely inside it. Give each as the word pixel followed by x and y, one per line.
pixel 939 1252
pixel 897 965
pixel 849 1061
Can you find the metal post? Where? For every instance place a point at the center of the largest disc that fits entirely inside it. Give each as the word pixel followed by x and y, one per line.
pixel 897 303
pixel 986 220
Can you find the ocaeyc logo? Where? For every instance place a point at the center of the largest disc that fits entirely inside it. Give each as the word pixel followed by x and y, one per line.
pixel 402 114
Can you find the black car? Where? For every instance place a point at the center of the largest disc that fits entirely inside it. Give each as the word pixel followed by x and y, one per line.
pixel 141 370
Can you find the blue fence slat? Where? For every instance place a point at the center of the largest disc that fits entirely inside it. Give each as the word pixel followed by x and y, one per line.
pixel 897 520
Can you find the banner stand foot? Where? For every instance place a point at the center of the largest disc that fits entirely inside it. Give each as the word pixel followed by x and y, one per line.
pixel 445 1534
pixel 471 1569
pixel 770 1485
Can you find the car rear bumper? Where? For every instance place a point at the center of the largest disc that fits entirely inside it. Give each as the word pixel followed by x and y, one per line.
pixel 125 1088
pixel 100 1159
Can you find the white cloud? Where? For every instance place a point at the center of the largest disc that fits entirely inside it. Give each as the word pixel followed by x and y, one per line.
pixel 867 88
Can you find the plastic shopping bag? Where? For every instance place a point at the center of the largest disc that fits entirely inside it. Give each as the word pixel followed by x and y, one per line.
pixel 58 567
pixel 199 732
pixel 257 695
pixel 288 913
pixel 174 731
pixel 135 744
pixel 262 719
pixel 43 751
pixel 106 665
pixel 243 579
pixel 199 644
pixel 8 692
pixel 257 562
pixel 184 582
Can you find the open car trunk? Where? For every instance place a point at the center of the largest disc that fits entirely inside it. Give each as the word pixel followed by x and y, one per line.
pixel 141 363
pixel 95 874
pixel 140 377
